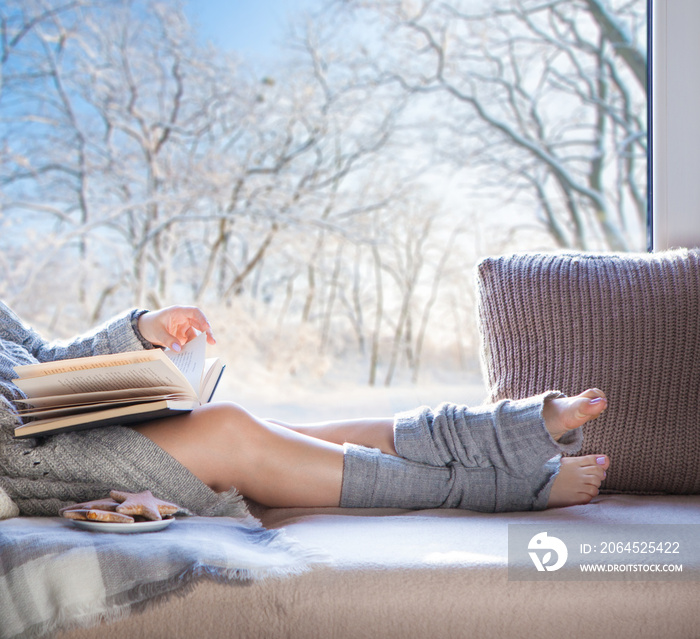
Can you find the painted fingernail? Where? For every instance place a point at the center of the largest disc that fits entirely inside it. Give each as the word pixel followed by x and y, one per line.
pixel 176 347
pixel 600 460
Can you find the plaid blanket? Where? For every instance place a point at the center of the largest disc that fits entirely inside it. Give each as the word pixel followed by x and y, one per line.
pixel 54 576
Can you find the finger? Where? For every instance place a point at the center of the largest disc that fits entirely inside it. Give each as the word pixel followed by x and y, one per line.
pixel 193 318
pixel 201 323
pixel 210 336
pixel 184 332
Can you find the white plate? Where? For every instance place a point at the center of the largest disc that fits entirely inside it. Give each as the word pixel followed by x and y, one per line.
pixel 110 527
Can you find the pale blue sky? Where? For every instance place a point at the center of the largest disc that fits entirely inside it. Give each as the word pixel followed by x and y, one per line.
pixel 253 28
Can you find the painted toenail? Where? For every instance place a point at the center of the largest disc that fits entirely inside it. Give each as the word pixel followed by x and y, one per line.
pixel 597 400
pixel 600 460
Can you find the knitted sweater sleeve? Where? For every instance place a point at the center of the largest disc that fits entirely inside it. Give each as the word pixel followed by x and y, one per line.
pixel 117 335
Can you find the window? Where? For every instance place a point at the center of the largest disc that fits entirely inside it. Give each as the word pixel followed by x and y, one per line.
pixel 675 128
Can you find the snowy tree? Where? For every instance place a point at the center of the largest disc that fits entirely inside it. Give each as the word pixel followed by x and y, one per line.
pixel 544 100
pixel 315 208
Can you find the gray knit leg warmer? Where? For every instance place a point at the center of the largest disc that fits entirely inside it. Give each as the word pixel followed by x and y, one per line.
pixel 372 479
pixel 509 436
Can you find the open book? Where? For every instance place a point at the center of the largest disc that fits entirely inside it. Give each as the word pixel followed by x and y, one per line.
pixel 115 389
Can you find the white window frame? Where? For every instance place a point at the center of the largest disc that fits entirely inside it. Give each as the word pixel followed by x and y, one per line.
pixel 674 124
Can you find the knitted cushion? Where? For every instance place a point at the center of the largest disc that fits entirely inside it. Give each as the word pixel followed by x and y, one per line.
pixel 627 324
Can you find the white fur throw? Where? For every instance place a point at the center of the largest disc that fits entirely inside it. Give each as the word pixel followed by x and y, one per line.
pixel 8 508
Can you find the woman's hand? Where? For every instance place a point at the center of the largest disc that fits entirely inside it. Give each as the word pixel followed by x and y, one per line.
pixel 174 326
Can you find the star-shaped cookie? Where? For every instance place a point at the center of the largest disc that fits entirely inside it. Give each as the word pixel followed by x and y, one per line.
pixel 143 504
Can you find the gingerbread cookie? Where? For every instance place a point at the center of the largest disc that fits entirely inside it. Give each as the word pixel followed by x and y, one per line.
pixel 87 514
pixel 121 507
pixel 98 504
pixel 143 504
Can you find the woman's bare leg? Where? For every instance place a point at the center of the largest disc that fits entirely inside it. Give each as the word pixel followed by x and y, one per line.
pixel 225 446
pixel 378 432
pixel 375 432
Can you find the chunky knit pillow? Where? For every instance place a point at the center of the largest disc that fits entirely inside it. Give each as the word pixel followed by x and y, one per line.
pixel 627 324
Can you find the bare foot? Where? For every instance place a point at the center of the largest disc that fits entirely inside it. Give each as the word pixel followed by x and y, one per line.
pixel 578 480
pixel 567 413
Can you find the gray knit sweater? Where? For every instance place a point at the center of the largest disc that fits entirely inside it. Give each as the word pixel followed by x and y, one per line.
pixel 42 475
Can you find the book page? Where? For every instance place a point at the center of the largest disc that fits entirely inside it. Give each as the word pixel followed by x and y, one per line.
pixel 85 363
pixel 190 360
pixel 213 370
pixel 88 399
pixel 61 411
pixel 121 415
pixel 140 375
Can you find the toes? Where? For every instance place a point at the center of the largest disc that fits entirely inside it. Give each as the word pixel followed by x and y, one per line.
pixel 579 480
pixel 591 469
pixel 594 481
pixel 588 492
pixel 588 408
pixel 587 489
pixel 594 468
pixel 602 465
pixel 596 461
pixel 593 393
pixel 568 413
